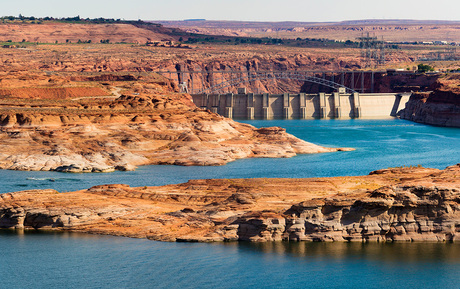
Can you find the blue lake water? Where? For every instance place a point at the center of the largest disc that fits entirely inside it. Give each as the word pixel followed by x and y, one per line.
pixel 63 260
pixel 378 143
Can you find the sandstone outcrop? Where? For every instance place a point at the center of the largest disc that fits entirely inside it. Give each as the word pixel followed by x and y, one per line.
pixel 400 204
pixel 441 107
pixel 148 123
pixel 74 60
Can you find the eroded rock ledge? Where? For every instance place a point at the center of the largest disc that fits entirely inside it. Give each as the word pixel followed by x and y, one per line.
pixel 405 204
pixel 441 107
pixel 144 122
pixel 187 138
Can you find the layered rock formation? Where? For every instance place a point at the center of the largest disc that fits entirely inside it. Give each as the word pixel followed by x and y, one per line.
pixel 77 58
pixel 401 204
pixel 441 107
pixel 147 124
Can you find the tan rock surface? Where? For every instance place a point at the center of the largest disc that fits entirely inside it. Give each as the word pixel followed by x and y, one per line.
pixel 405 204
pixel 63 129
pixel 50 32
pixel 75 59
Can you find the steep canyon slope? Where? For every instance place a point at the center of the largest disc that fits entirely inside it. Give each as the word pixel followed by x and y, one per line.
pixel 441 107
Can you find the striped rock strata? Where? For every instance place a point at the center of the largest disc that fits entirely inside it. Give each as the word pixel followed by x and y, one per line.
pixel 406 204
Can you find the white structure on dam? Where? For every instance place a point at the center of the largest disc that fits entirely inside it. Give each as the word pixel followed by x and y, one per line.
pixel 303 106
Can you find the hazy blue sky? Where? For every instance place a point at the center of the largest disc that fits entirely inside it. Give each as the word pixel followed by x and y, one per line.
pixel 258 10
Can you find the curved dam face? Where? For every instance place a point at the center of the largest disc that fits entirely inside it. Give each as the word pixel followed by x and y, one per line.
pixel 303 106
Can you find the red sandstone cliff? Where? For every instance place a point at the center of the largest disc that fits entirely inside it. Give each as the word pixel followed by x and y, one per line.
pixel 441 107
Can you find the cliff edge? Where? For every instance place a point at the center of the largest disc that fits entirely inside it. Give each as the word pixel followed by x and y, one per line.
pixel 441 107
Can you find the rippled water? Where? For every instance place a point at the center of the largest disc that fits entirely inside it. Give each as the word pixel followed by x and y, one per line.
pixel 378 143
pixel 64 260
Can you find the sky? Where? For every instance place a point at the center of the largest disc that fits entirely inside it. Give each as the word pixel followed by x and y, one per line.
pixel 244 10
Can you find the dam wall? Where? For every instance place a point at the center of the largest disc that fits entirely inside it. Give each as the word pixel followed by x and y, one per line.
pixel 382 104
pixel 302 106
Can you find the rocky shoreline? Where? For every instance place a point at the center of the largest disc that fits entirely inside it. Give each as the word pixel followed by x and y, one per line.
pixel 441 107
pixel 137 121
pixel 197 138
pixel 398 204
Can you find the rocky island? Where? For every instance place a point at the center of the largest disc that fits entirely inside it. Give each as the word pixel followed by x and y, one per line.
pixel 396 204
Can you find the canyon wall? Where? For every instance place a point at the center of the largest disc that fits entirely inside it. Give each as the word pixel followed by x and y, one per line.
pixel 441 107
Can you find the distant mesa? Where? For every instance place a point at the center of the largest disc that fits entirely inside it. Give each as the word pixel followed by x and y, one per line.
pixel 194 19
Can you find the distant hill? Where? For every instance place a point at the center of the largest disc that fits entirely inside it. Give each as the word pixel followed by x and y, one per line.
pixel 397 22
pixel 74 29
pixel 396 30
pixel 224 24
pixel 237 24
pixel 52 31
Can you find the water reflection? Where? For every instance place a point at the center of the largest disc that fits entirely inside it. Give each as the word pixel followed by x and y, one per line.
pixel 72 260
pixel 383 252
pixel 317 251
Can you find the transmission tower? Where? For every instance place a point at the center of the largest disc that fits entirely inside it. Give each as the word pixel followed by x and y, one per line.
pixel 447 54
pixel 372 49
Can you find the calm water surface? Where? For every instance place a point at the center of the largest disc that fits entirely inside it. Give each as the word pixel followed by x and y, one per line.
pixel 378 143
pixel 66 260
pixel 62 260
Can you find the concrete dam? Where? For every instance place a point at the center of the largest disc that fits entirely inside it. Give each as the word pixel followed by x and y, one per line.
pixel 302 105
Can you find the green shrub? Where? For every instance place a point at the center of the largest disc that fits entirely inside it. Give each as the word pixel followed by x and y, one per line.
pixel 424 68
